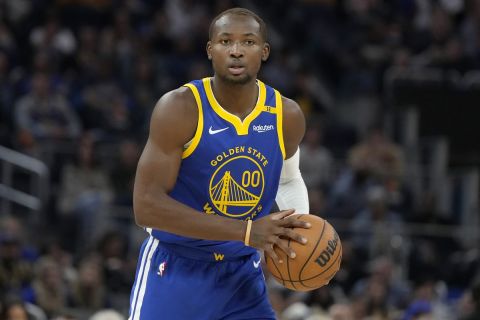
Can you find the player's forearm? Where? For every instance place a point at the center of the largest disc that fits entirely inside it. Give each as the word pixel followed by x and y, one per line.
pixel 166 214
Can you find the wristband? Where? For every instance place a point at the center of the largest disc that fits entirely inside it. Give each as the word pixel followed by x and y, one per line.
pixel 247 232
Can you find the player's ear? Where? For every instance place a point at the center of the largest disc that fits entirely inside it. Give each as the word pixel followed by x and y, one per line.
pixel 265 51
pixel 209 50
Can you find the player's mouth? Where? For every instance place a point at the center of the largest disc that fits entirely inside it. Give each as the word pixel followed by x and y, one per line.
pixel 236 70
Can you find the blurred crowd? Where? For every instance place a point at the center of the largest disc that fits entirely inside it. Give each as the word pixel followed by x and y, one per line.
pixel 79 79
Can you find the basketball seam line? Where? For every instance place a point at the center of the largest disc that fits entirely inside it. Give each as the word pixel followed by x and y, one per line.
pixel 312 252
pixel 288 259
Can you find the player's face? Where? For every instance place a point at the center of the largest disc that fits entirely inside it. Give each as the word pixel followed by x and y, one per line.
pixel 237 48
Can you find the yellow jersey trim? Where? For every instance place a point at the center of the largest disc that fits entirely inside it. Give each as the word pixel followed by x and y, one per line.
pixel 240 126
pixel 198 133
pixel 279 109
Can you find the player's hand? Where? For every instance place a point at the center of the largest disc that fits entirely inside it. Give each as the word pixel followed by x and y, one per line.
pixel 275 230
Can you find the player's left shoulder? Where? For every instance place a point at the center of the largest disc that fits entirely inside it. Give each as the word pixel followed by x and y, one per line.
pixel 292 111
pixel 293 125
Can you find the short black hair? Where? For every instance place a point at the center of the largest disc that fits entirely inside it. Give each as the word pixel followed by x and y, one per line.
pixel 240 12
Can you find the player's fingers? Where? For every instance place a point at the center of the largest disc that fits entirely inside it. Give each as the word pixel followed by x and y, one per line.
pixel 293 222
pixel 272 254
pixel 283 245
pixel 289 233
pixel 282 214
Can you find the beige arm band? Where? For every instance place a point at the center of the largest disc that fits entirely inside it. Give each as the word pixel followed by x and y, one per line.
pixel 247 232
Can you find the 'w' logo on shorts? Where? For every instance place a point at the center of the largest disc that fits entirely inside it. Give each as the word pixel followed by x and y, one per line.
pixel 218 256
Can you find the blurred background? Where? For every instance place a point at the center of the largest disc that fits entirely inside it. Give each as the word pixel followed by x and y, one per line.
pixel 391 157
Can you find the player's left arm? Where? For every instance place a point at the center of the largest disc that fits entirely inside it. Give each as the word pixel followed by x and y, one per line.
pixel 292 192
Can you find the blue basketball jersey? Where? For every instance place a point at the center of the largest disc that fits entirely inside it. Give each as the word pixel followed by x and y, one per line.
pixel 231 167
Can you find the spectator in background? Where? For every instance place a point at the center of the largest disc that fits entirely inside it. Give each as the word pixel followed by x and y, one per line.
pixel 378 160
pixel 430 251
pixel 475 296
pixel 16 229
pixel 50 291
pixel 125 42
pixel 316 161
pixel 88 291
pixel 123 172
pixel 376 301
pixel 351 271
pixel 54 251
pixel 7 40
pixel 14 310
pixel 104 106
pixel 107 314
pixel 44 115
pixel 143 92
pixel 376 229
pixel 320 300
pixel 85 190
pixel 276 72
pixel 420 310
pixel 114 261
pixel 348 194
pixel 428 299
pixel 54 38
pixel 317 200
pixel 86 57
pixel 65 316
pixel 383 283
pixel 340 312
pixel 15 268
pixel 309 93
pixel 377 156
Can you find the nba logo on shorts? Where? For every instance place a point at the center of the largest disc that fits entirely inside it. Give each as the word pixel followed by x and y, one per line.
pixel 161 268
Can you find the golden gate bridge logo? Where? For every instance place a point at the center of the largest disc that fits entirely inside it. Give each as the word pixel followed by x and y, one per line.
pixel 237 186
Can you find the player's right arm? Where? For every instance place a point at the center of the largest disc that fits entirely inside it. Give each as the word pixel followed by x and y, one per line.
pixel 173 123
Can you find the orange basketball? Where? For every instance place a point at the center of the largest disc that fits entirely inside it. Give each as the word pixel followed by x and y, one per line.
pixel 316 262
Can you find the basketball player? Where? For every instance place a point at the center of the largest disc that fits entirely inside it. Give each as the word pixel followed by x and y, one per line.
pixel 220 151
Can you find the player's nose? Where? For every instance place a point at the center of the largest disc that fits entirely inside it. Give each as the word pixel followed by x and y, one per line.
pixel 236 50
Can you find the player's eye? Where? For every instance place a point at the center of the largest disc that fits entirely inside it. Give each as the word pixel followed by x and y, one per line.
pixel 249 42
pixel 224 41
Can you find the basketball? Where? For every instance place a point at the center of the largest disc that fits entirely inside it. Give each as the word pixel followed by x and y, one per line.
pixel 316 262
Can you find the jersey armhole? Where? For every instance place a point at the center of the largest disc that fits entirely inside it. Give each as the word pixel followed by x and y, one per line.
pixel 279 109
pixel 193 143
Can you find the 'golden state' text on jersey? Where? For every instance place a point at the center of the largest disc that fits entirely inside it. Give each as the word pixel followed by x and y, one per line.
pixel 231 167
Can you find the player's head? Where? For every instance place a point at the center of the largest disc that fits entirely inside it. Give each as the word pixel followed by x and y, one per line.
pixel 237 45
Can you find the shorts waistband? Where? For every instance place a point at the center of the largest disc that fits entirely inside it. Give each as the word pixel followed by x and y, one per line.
pixel 197 254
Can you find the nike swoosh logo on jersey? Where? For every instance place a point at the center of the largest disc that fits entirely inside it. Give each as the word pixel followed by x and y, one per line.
pixel 211 131
pixel 256 264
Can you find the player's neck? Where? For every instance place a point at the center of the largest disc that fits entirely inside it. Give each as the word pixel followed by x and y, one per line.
pixel 238 99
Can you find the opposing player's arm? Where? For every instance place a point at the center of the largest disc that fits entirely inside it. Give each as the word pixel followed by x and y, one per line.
pixel 173 123
pixel 292 192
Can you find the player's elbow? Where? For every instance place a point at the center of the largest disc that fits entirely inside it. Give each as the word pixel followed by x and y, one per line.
pixel 139 214
pixel 151 208
pixel 143 210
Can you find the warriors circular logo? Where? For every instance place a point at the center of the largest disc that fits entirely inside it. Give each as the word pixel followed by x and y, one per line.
pixel 237 186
